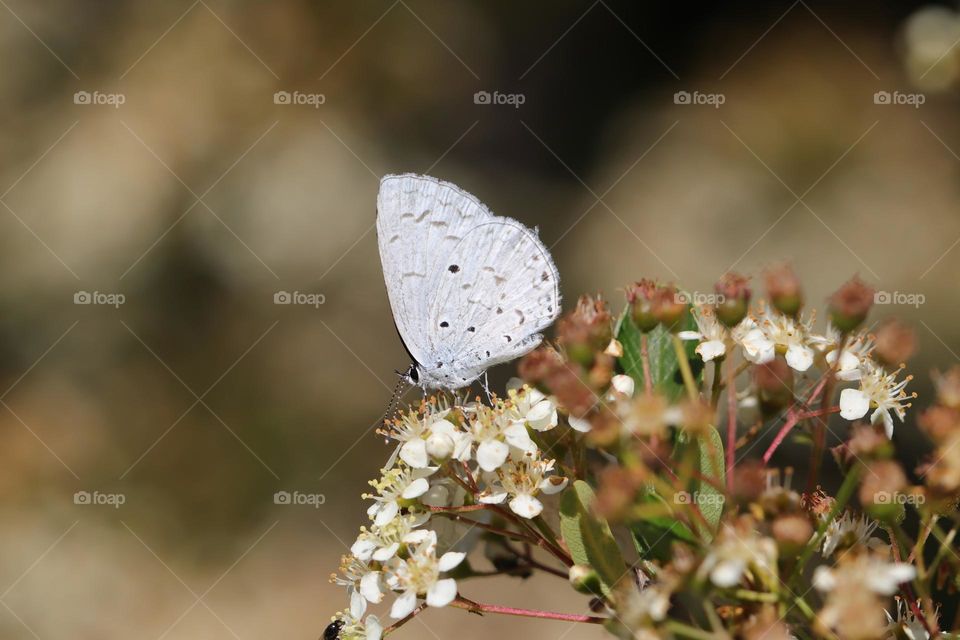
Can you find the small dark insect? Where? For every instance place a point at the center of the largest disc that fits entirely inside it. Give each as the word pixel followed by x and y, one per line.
pixel 332 632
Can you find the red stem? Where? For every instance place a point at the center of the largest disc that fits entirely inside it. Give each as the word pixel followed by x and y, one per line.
pixel 477 607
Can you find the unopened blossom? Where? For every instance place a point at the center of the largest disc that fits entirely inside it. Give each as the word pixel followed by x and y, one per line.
pixel 521 481
pixel 783 289
pixel 850 304
pixel 395 485
pixel 418 575
pixel 739 550
pixel 880 391
pixel 710 334
pixel 857 589
pixel 533 408
pixel 847 531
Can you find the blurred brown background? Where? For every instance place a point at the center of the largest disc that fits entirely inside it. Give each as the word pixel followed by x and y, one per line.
pixel 146 153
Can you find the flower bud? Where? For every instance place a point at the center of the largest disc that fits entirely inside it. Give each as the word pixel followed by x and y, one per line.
pixel 585 580
pixel 585 331
pixel 440 446
pixel 792 532
pixel 895 342
pixel 669 307
pixel 640 298
pixel 734 299
pixel 783 289
pixel 536 366
pixel 881 490
pixel 850 304
pixel 948 387
pixel 774 382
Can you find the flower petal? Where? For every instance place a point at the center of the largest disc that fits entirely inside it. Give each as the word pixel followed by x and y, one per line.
pixel 526 506
pixel 624 384
pixel 387 512
pixel 450 560
pixel 579 424
pixel 416 489
pixel 553 484
pixel 414 453
pixel 491 454
pixel 799 357
pixel 442 593
pixel 711 349
pixel 370 587
pixel 404 605
pixel 854 404
pixel 727 573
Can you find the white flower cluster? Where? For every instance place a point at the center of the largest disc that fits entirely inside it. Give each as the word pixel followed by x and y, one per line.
pixel 449 458
pixel 766 333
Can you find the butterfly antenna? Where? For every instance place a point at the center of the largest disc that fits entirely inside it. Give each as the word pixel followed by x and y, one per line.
pixel 398 390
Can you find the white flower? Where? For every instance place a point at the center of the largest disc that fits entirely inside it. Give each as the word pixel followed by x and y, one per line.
pixel 710 333
pixel 790 337
pixel 737 550
pixel 854 359
pixel 865 572
pixel 908 622
pixel 881 391
pixel 533 408
pixel 354 628
pixel 494 432
pixel 847 530
pixel 521 481
pixel 419 574
pixel 355 575
pixel 400 483
pixel 757 347
pixel 857 588
pixel 380 543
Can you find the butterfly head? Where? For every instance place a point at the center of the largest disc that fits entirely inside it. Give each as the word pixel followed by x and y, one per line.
pixel 412 375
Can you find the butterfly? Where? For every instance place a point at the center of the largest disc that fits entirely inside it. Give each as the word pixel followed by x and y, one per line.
pixel 468 289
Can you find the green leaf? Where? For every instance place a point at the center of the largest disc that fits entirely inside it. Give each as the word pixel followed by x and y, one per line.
pixel 588 537
pixel 653 536
pixel 711 465
pixel 664 368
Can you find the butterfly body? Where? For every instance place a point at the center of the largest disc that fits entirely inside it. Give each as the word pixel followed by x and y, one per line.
pixel 468 289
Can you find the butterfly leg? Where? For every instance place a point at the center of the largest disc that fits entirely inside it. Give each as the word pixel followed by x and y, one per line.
pixel 486 387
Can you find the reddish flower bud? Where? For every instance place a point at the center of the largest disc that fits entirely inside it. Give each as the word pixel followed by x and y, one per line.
pixel 640 298
pixel 586 330
pixel 774 382
pixel 669 307
pixel 895 342
pixel 783 289
pixel 734 299
pixel 850 304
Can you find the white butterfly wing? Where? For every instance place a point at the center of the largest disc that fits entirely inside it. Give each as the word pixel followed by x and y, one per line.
pixel 420 220
pixel 499 289
pixel 468 289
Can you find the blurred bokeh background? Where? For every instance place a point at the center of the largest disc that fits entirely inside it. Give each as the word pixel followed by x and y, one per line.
pixel 178 165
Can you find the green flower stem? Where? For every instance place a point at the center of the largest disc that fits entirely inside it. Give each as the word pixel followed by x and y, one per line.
pixel 944 552
pixel 755 596
pixel 843 496
pixel 684 630
pixel 685 371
